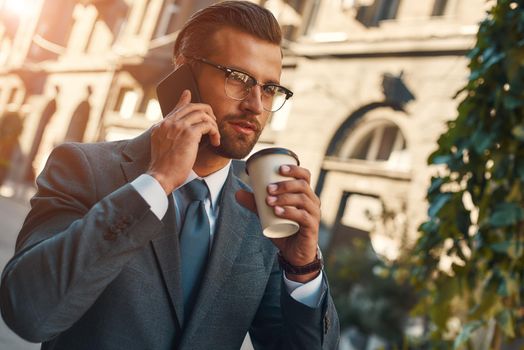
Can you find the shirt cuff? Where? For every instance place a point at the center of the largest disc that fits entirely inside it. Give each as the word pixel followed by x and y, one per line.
pixel 310 293
pixel 153 193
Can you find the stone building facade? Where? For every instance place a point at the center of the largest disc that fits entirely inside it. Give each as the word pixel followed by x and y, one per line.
pixel 374 82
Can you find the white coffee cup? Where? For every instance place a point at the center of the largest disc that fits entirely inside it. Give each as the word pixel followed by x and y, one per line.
pixel 263 169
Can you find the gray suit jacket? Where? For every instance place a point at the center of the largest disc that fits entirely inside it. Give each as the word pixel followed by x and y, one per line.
pixel 95 269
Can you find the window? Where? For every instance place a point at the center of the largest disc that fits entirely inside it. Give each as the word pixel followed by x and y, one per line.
pixel 149 107
pixel 153 112
pixel 387 9
pixel 126 103
pixel 379 10
pixel 12 96
pixel 294 16
pixel 439 8
pixel 377 141
pixel 168 20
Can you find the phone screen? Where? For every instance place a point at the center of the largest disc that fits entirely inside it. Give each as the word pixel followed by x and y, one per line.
pixel 171 87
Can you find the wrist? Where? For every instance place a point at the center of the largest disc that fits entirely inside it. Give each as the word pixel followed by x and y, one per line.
pixel 303 272
pixel 167 184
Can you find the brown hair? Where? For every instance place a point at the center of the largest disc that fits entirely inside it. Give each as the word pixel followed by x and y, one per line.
pixel 194 39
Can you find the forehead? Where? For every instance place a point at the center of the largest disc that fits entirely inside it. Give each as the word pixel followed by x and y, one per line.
pixel 237 49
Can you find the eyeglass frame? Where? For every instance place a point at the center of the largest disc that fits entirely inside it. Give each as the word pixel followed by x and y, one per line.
pixel 228 71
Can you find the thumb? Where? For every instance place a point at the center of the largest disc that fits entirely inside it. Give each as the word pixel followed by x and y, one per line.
pixel 184 99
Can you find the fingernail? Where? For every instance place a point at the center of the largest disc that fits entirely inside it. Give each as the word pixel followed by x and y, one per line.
pixel 271 199
pixel 285 169
pixel 272 188
pixel 279 210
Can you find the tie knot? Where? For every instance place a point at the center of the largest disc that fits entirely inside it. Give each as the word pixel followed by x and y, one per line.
pixel 196 190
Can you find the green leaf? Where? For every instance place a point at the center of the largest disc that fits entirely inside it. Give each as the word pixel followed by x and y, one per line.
pixel 505 321
pixel 466 332
pixel 506 214
pixel 436 182
pixel 512 102
pixel 481 141
pixel 502 247
pixel 494 59
pixel 438 203
pixel 473 52
pixel 445 159
pixel 520 169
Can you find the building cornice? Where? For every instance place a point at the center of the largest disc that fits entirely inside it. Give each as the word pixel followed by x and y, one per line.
pixel 386 47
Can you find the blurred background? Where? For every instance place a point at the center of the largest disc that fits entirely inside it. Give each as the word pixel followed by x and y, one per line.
pixel 374 82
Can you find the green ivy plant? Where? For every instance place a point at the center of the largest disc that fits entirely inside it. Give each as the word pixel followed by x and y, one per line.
pixel 476 218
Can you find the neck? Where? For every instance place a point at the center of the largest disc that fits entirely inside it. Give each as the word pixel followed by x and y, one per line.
pixel 207 162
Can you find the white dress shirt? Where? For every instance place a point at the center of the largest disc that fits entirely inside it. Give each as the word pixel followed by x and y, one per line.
pixel 149 188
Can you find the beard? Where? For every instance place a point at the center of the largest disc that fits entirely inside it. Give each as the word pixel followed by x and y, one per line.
pixel 234 145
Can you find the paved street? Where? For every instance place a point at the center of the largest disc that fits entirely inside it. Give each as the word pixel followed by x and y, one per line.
pixel 12 214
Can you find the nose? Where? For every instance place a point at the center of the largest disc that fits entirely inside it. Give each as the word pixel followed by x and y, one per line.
pixel 253 101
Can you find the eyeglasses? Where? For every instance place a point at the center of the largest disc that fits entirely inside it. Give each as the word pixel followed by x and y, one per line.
pixel 238 85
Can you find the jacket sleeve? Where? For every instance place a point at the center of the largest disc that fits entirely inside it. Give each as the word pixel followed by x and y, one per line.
pixel 282 322
pixel 71 246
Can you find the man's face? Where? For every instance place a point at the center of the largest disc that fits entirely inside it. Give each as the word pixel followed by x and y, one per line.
pixel 240 122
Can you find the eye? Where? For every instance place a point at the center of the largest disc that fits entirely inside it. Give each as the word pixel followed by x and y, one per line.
pixel 271 90
pixel 239 77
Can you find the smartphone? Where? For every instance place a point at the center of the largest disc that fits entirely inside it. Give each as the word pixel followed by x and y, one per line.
pixel 171 87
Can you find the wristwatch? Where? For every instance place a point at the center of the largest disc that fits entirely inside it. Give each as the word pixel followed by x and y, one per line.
pixel 314 266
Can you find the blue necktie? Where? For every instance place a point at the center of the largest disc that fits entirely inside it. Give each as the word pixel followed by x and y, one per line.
pixel 194 242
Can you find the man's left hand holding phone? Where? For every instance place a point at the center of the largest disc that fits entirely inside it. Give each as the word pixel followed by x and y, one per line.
pixel 175 139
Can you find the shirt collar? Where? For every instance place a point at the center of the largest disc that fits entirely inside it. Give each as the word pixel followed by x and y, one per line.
pixel 214 182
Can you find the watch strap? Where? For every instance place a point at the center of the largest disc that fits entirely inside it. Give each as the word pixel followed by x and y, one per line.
pixel 314 266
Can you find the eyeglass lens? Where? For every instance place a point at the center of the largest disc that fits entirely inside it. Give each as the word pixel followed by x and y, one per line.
pixel 238 86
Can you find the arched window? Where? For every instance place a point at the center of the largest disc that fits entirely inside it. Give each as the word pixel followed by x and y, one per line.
pixel 378 141
pixel 365 180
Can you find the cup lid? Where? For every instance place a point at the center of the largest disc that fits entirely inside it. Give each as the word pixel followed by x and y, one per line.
pixel 271 150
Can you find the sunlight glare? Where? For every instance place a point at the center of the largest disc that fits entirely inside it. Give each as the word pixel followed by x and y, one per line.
pixel 18 7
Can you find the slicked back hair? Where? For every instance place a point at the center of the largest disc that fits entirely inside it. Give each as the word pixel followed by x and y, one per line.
pixel 195 37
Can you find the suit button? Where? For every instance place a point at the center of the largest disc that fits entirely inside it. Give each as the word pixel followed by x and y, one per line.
pixel 115 228
pixel 121 226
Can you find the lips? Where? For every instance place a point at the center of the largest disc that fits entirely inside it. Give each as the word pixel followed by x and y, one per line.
pixel 244 126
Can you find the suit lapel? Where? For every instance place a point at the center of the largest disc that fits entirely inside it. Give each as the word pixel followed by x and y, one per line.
pixel 233 224
pixel 166 247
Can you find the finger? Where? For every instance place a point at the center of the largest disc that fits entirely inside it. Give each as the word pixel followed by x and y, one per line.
pixel 185 98
pixel 214 137
pixel 184 110
pixel 293 186
pixel 295 171
pixel 205 128
pixel 193 116
pixel 246 199
pixel 297 200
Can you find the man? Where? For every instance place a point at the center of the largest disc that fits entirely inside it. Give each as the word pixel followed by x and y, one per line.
pixel 100 262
